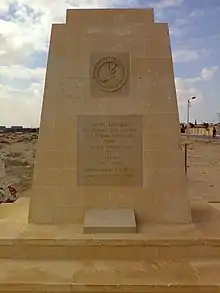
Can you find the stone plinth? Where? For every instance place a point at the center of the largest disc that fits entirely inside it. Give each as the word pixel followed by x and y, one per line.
pixel 61 258
pixel 109 221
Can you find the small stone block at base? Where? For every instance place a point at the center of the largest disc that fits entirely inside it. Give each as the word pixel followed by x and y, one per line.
pixel 110 221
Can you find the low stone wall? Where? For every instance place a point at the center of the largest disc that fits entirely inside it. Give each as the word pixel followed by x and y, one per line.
pixel 201 131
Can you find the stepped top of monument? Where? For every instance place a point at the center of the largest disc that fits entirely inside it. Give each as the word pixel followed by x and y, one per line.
pixel 141 15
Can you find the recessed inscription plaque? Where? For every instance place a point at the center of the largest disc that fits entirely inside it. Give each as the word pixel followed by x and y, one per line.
pixel 110 150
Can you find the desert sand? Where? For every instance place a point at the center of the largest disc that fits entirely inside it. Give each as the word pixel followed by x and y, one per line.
pixel 204 170
pixel 203 165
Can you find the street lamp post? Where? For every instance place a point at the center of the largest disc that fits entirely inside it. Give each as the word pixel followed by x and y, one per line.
pixel 188 119
pixel 218 117
pixel 187 133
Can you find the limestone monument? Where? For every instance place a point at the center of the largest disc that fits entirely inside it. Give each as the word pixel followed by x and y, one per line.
pixel 108 162
pixel 109 144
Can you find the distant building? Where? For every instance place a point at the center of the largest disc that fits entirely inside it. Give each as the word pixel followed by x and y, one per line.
pixel 2 128
pixel 17 128
pixel 217 126
pixel 204 129
pixel 32 130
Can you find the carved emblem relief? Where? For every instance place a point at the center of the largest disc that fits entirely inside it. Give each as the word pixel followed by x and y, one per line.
pixel 110 74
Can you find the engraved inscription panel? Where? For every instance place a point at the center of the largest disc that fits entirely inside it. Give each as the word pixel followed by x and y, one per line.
pixel 110 150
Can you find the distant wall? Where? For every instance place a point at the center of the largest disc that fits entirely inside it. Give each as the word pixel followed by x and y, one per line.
pixel 15 129
pixel 201 131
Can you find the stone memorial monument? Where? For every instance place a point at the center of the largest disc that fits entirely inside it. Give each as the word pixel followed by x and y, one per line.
pixel 109 144
pixel 108 210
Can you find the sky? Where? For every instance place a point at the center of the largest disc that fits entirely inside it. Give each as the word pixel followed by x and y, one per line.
pixel 24 41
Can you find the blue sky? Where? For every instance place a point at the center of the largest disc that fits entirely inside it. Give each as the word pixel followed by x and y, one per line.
pixel 24 33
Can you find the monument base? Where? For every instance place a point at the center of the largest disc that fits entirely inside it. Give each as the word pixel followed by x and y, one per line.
pixel 159 259
pixel 115 276
pixel 109 221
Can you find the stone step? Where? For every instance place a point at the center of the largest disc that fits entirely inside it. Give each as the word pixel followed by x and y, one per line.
pixel 109 249
pixel 110 276
pixel 20 240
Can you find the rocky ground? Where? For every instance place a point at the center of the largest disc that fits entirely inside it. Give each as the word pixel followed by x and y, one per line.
pixel 18 151
pixel 203 165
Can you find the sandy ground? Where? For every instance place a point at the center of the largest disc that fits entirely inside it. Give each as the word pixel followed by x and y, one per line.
pixel 204 170
pixel 203 165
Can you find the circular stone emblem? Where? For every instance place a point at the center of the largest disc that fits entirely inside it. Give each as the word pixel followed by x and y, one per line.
pixel 110 74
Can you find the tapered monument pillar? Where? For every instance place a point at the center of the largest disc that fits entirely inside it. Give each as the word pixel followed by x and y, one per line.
pixel 109 134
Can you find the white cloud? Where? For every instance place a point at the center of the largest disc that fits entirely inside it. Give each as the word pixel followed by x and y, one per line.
pixel 180 22
pixel 197 13
pixel 162 5
pixel 189 87
pixel 167 4
pixel 22 72
pixel 185 55
pixel 20 107
pixel 22 36
pixel 4 6
pixel 181 26
pixel 209 73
